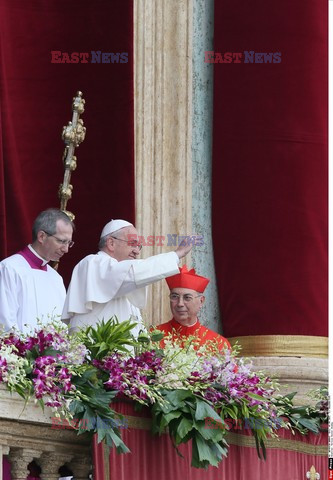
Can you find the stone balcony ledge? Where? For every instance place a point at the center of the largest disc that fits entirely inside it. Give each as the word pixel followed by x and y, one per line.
pixel 27 433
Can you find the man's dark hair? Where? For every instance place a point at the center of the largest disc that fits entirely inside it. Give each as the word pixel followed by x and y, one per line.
pixel 47 221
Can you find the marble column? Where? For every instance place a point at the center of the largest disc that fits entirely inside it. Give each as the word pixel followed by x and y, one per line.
pixel 163 126
pixel 202 127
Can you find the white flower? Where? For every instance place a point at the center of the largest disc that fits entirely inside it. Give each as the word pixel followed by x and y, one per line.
pixel 13 371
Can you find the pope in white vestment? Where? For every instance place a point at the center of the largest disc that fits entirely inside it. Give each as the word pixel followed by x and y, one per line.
pixel 102 287
pixel 113 281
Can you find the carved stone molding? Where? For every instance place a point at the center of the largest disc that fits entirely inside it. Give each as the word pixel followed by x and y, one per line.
pixel 81 467
pixel 296 374
pixel 28 433
pixel 19 459
pixel 163 126
pixel 50 462
pixel 15 434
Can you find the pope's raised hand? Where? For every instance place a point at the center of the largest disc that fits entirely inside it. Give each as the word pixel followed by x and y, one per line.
pixel 186 245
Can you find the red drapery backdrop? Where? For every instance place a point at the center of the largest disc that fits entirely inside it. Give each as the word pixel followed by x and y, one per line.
pixel 36 97
pixel 270 168
pixel 155 457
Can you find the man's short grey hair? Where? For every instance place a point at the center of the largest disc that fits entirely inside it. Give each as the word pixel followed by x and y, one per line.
pixel 47 221
pixel 104 239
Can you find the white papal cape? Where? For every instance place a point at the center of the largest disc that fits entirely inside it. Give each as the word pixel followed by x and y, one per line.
pixel 102 287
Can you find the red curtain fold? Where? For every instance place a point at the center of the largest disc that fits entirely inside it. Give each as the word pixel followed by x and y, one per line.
pixel 155 457
pixel 270 168
pixel 35 103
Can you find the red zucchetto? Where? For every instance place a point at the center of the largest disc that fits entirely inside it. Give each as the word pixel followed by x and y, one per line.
pixel 187 279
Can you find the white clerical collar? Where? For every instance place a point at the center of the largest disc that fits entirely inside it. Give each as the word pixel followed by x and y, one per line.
pixel 193 324
pixel 101 252
pixel 35 253
pixel 188 326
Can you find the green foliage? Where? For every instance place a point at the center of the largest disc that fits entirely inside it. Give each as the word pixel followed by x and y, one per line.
pixel 302 418
pixel 185 415
pixel 91 409
pixel 252 418
pixel 108 337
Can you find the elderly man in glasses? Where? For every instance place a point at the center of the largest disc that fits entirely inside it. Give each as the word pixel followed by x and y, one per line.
pixel 113 281
pixel 186 300
pixel 29 287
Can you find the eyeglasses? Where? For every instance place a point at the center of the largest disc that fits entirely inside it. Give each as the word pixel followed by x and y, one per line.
pixel 130 243
pixel 68 243
pixel 187 298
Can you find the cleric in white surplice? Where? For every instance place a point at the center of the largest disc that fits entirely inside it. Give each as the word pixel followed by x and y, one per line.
pixel 29 288
pixel 113 281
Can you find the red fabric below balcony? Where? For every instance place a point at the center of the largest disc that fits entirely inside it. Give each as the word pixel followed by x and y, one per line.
pixel 154 458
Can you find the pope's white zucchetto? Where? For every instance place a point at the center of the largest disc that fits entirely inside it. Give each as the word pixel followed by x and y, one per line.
pixel 113 226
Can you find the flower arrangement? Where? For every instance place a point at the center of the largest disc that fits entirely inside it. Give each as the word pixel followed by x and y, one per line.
pixel 195 392
pixel 55 369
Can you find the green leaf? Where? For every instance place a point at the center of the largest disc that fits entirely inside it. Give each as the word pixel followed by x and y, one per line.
pixel 309 424
pixel 263 448
pixel 156 337
pixel 112 438
pixel 214 434
pixel 230 412
pixel 143 338
pixel 257 445
pixel 255 396
pixel 170 416
pixel 101 434
pixel 244 410
pixel 185 425
pixel 302 410
pixel 50 352
pixel 195 457
pixel 76 406
pixel 89 419
pixel 176 397
pixel 290 396
pixel 204 410
pixel 204 452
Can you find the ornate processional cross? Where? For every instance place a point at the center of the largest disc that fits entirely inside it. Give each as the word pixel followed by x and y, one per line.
pixel 72 134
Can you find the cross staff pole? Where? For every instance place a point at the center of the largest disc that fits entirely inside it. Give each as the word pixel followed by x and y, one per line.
pixel 72 134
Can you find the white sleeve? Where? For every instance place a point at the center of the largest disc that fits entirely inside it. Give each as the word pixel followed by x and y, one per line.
pixel 9 307
pixel 100 278
pixel 147 271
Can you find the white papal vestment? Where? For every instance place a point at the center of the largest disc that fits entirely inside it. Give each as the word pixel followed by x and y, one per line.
pixel 102 287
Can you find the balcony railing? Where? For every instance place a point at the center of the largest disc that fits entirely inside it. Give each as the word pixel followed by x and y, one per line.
pixel 27 433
